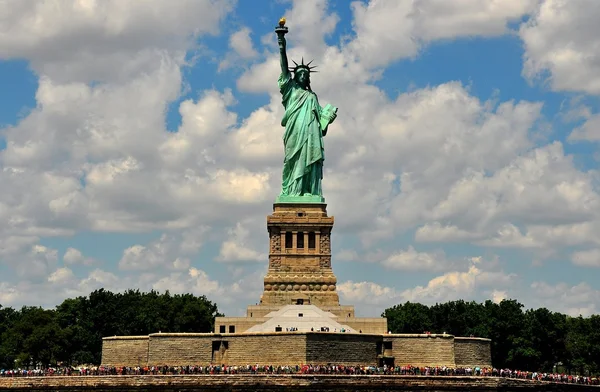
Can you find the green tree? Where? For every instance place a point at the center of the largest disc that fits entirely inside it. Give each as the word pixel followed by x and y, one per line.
pixel 409 317
pixel 460 318
pixel 583 344
pixel 78 330
pixel 86 320
pixel 34 338
pixel 7 320
pixel 546 334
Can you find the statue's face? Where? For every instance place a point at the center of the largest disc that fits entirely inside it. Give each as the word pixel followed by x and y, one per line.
pixel 303 78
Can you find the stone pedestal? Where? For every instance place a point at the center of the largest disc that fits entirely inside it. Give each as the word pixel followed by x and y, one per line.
pixel 300 256
pixel 299 273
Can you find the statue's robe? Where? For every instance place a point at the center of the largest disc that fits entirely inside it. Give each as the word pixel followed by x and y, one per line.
pixel 303 139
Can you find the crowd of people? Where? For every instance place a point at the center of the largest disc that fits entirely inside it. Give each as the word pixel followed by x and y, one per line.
pixel 300 369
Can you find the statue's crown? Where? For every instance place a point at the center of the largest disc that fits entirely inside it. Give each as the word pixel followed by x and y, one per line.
pixel 303 66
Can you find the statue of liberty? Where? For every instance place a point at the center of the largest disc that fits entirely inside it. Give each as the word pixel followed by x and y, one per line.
pixel 305 123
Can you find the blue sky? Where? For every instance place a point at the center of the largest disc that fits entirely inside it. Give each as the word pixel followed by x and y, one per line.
pixel 140 147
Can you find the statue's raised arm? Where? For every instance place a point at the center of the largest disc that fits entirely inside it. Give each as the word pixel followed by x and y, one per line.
pixel 281 31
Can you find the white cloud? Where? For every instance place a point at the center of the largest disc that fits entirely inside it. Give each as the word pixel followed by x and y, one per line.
pixel 411 260
pixel 57 286
pixel 347 255
pixel 438 160
pixel 310 21
pixel 74 256
pixel 481 278
pixel 242 49
pixel 577 300
pixel 389 30
pixel 237 248
pixel 564 56
pixel 435 232
pixel 37 263
pixel 367 293
pixel 241 43
pixel 61 276
pixel 498 296
pixel 586 258
pixel 106 40
pixel 589 130
pixel 195 281
pixel 458 285
pixel 439 19
pixel 168 251
pixel 63 283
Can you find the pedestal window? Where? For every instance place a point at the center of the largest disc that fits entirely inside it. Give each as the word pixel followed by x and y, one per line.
pixel 300 237
pixel 311 240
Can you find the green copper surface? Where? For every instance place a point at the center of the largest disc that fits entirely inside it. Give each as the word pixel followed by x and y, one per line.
pixel 300 199
pixel 306 124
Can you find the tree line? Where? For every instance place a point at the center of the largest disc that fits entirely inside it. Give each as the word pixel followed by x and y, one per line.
pixel 533 339
pixel 71 333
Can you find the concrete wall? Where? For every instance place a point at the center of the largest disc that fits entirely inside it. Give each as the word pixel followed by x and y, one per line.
pixel 231 349
pixel 422 349
pixel 125 350
pixel 262 310
pixel 472 352
pixel 241 324
pixel 295 348
pixel 266 349
pixel 341 348
pixel 366 325
pixel 341 311
pixel 179 349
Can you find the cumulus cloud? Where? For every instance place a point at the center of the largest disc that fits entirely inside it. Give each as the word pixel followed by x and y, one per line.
pixel 386 31
pixel 577 300
pixel 84 40
pixel 195 281
pixel 478 278
pixel 435 232
pixel 237 249
pixel 411 260
pixel 168 251
pixel 74 256
pixel 64 283
pixel 242 49
pixel 437 164
pixel 368 293
pixel 588 131
pixel 566 58
pixel 62 275
pixel 37 263
pixel 461 284
pixel 586 258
